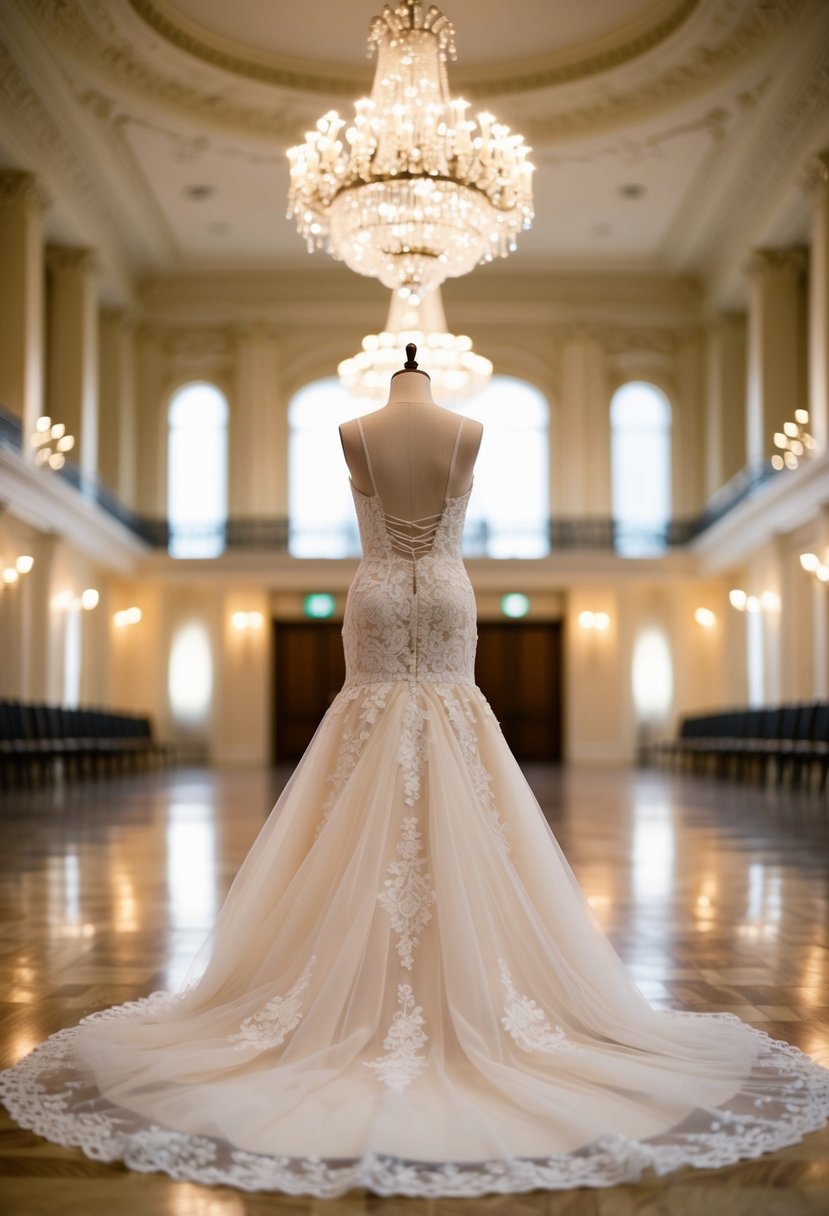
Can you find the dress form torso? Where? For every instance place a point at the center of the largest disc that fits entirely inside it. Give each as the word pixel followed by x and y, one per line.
pixel 411 441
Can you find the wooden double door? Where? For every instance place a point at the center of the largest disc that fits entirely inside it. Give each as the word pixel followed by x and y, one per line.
pixel 518 668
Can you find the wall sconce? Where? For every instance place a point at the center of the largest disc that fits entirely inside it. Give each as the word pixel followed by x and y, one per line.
pixel 52 442
pixel 767 601
pixel 594 620
pixel 22 565
pixel 127 616
pixel 812 564
pixel 705 617
pixel 66 601
pixel 247 620
pixel 794 442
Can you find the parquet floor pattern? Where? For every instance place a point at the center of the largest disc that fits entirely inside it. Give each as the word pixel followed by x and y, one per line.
pixel 715 895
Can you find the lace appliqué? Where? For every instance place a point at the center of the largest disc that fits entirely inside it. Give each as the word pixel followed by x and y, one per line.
pixel 526 1022
pixel 412 753
pixel 401 1063
pixel 408 896
pixel 353 738
pixel 790 1091
pixel 458 704
pixel 269 1026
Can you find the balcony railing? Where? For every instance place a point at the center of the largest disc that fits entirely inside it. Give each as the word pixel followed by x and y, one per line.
pixel 481 538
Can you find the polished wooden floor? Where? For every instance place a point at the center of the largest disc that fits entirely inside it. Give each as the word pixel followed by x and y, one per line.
pixel 715 895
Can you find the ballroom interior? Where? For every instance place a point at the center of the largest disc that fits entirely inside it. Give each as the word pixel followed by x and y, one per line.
pixel 648 536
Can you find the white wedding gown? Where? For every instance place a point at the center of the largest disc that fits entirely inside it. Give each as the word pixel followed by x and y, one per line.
pixel 406 990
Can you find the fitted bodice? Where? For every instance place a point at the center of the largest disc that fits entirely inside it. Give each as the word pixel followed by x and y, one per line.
pixel 410 617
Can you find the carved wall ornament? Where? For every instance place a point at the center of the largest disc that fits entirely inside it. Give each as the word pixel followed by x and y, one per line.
pixel 18 187
pixel 764 262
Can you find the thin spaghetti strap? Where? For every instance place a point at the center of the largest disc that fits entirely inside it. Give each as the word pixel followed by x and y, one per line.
pixel 454 455
pixel 368 458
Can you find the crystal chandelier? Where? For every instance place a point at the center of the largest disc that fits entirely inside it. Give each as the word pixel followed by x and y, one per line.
pixel 412 192
pixel 454 368
pixel 51 442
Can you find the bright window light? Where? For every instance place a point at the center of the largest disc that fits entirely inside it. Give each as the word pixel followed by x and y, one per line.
pixel 640 457
pixel 653 677
pixel 197 471
pixel 509 507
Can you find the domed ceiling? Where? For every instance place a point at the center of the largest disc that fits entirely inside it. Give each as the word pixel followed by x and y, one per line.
pixel 661 129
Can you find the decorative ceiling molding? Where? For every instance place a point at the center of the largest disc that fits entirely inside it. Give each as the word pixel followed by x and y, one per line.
pixel 494 80
pixel 723 38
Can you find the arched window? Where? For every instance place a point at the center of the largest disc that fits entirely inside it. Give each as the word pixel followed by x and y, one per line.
pixel 197 471
pixel 640 460
pixel 509 508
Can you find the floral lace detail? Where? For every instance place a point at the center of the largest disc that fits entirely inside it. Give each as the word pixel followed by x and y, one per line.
pixel 269 1026
pixel 405 619
pixel 353 738
pixel 790 1092
pixel 400 1064
pixel 460 705
pixel 526 1022
pixel 407 896
pixel 412 753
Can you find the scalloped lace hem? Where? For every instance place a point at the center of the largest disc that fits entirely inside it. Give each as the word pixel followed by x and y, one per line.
pixel 786 1097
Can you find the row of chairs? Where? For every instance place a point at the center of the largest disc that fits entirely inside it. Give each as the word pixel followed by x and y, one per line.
pixel 38 740
pixel 788 740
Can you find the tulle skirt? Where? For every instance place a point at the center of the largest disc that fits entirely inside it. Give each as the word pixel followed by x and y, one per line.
pixel 406 991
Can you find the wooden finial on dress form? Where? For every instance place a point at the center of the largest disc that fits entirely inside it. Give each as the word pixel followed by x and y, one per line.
pixel 411 363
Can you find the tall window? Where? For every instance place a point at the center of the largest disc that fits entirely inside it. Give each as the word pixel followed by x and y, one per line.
pixel 509 507
pixel 197 471
pixel 640 428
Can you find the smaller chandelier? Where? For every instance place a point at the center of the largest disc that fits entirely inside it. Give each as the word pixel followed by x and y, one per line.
pixel 51 442
pixel 794 442
pixel 454 368
pixel 414 192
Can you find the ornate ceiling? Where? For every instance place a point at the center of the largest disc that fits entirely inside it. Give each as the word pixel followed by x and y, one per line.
pixel 663 130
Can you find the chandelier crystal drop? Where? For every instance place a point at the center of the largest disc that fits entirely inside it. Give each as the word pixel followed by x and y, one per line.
pixel 411 192
pixel 455 370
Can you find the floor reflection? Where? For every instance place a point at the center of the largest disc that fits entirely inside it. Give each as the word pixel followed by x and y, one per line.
pixel 714 895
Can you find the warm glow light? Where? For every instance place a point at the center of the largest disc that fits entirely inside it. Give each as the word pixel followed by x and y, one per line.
pixel 770 601
pixel 752 604
pixel 89 598
pixel 586 620
pixel 10 575
pixel 823 573
pixel 777 462
pixel 24 563
pixel 809 561
pixel 705 617
pixel 801 416
pixel 63 599
pixel 737 599
pixel 247 620
pixel 411 191
pixel 43 423
pixel 127 616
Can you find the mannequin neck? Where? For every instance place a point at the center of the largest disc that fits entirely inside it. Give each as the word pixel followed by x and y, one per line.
pixel 410 386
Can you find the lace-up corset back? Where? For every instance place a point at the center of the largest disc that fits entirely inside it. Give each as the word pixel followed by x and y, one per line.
pixel 410 612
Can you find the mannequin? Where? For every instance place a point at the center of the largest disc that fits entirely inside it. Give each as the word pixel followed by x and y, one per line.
pixel 411 440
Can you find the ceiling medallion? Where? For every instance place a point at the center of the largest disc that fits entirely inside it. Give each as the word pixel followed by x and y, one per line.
pixel 414 193
pixel 455 370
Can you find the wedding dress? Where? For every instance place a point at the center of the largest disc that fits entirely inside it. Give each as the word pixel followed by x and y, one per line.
pixel 405 989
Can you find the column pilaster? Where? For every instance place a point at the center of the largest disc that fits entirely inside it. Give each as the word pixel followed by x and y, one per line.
pixel 817 185
pixel 258 430
pixel 775 386
pixel 725 452
pixel 22 202
pixel 72 349
pixel 116 410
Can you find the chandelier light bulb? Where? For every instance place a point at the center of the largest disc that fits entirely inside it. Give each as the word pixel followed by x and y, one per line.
pixel 738 599
pixel 10 575
pixel 411 192
pixel 89 599
pixel 705 617
pixel 823 573
pixel 809 562
pixel 455 370
pixel 24 563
